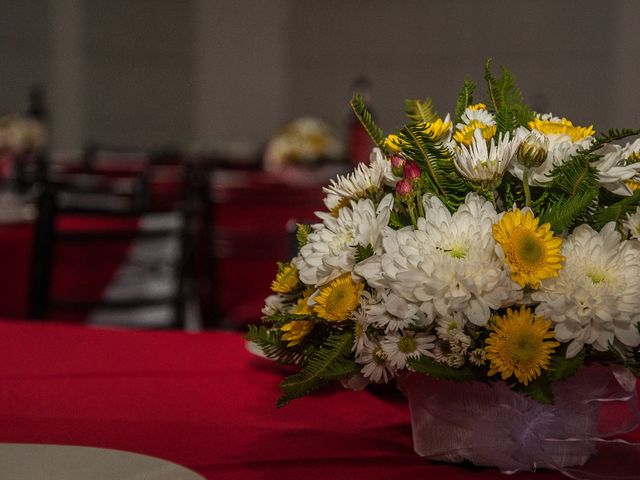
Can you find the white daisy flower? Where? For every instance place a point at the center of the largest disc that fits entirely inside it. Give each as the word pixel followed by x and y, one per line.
pixel 398 347
pixel 361 183
pixel 594 300
pixel 274 304
pixel 330 248
pixel 478 357
pixel 614 170
pixel 476 113
pixel 633 224
pixel 362 338
pixel 447 264
pixel 451 332
pixel 387 310
pixel 486 163
pixel 376 367
pixel 564 138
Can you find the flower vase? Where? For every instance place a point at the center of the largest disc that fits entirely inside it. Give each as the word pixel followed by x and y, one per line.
pixel 493 425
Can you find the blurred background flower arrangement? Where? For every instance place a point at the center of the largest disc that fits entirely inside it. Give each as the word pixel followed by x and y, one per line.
pixel 498 245
pixel 304 142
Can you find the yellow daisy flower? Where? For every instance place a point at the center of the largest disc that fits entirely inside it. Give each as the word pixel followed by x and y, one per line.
pixel 295 331
pixel 477 106
pixel 302 306
pixel 286 280
pixel 532 252
pixel 520 345
pixel 436 129
pixel 394 143
pixel 465 135
pixel 562 127
pixel 337 300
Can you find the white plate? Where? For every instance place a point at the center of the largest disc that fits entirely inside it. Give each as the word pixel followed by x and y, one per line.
pixel 61 462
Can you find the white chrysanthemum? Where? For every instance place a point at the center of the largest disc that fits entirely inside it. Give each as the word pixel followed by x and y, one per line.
pixel 486 163
pixel 361 183
pixel 633 224
pixel 387 310
pixel 330 248
pixel 448 264
pixel 398 347
pixel 375 365
pixel 561 147
pixel 614 170
pixel 473 113
pixel 594 300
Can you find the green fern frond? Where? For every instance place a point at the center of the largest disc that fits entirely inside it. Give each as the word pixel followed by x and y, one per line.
pixel 465 98
pixel 493 90
pixel 539 390
pixel 420 111
pixel 332 361
pixel 434 159
pixel 509 92
pixel 563 367
pixel 302 234
pixel 564 214
pixel 574 177
pixel 442 371
pixel 612 135
pixel 362 253
pixel 618 211
pixel 367 121
pixel 268 339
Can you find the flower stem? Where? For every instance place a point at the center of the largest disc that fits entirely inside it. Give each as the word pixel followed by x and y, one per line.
pixel 412 213
pixel 419 202
pixel 525 184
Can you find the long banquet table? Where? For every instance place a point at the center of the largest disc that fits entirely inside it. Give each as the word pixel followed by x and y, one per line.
pixel 203 401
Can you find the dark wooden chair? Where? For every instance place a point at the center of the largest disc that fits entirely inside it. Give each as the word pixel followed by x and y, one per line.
pixel 88 216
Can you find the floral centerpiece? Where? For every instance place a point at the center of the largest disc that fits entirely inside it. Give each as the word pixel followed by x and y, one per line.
pixel 490 263
pixel 304 142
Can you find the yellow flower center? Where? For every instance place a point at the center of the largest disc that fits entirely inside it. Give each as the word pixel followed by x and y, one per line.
pixel 407 344
pixel 524 348
pixel 562 127
pixel 339 299
pixel 459 251
pixel 596 277
pixel 527 249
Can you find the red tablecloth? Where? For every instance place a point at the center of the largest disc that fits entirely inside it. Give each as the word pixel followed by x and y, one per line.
pixel 203 401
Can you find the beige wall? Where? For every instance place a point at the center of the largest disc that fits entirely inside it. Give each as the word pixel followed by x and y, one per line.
pixel 210 72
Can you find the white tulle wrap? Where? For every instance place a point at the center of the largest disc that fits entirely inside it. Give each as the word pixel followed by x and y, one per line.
pixel 491 425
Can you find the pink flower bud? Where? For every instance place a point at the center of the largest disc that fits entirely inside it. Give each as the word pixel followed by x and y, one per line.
pixel 404 187
pixel 397 161
pixel 412 171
